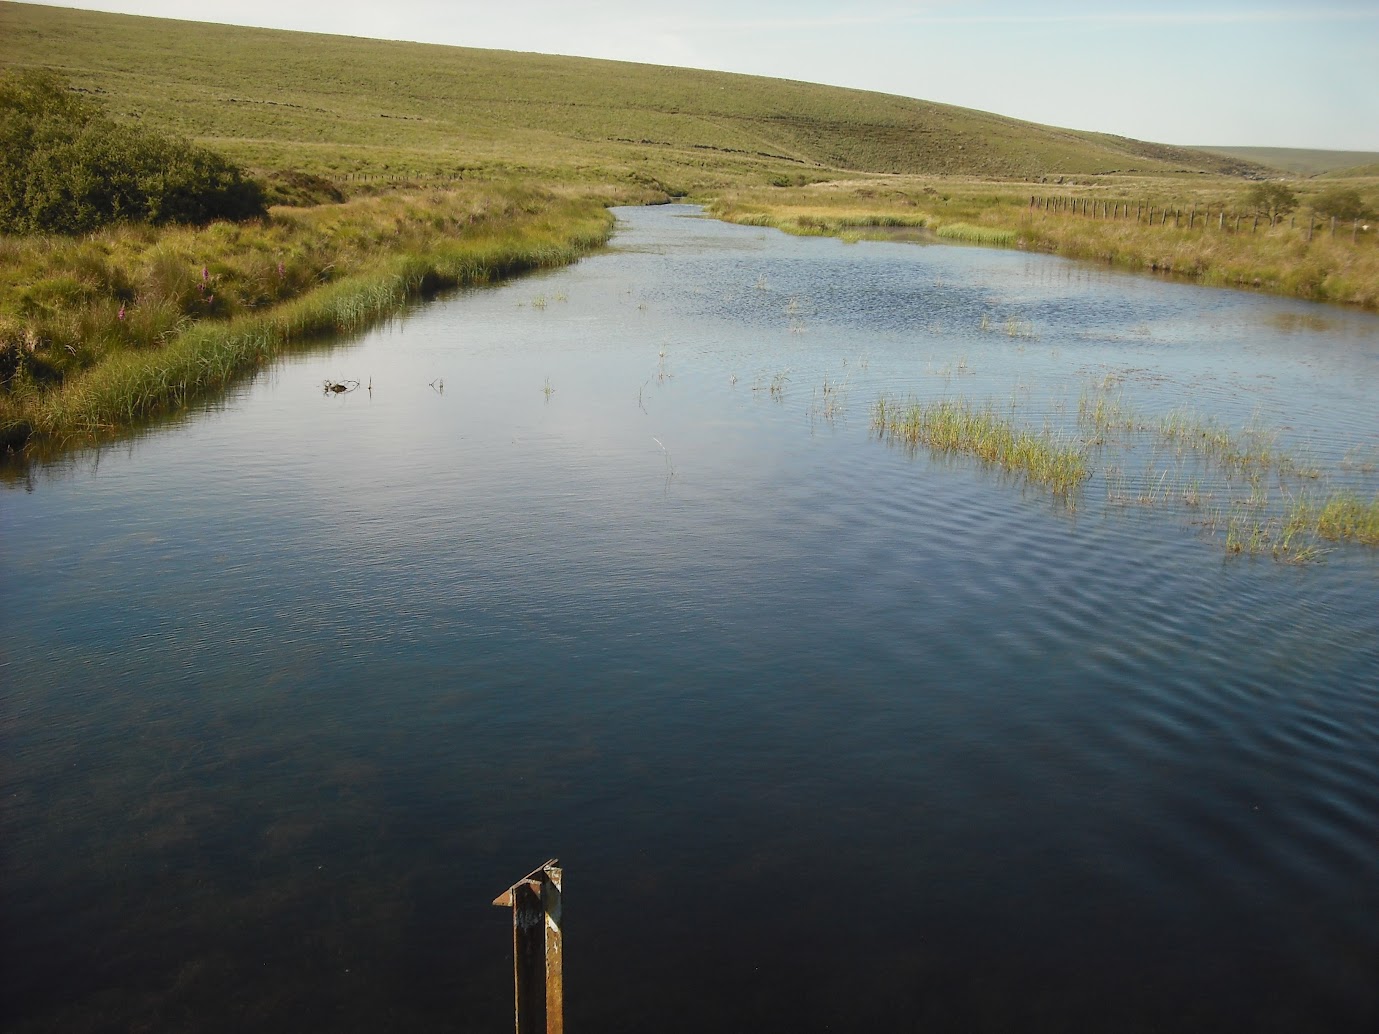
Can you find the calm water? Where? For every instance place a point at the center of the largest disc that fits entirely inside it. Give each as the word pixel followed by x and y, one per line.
pixel 828 734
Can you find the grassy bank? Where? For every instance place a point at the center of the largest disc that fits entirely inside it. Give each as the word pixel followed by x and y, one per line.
pixel 99 333
pixel 1201 241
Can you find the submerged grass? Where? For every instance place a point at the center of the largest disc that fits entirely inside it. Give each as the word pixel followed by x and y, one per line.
pixel 1043 459
pixel 1273 503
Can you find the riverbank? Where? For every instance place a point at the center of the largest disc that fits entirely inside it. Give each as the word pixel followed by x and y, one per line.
pixel 102 332
pixel 1205 238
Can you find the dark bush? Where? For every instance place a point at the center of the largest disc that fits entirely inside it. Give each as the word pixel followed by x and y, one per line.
pixel 67 167
pixel 301 189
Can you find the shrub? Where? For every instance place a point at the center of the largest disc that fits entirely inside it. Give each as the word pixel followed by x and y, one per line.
pixel 1272 200
pixel 67 167
pixel 1343 203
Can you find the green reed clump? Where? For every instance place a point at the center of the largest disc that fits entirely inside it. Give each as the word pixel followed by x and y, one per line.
pixel 1105 413
pixel 977 234
pixel 1340 517
pixel 957 427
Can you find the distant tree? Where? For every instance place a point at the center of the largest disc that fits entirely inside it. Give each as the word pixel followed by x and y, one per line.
pixel 67 167
pixel 1273 200
pixel 1343 203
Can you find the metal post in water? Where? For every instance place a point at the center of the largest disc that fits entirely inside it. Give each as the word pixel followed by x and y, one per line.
pixel 538 970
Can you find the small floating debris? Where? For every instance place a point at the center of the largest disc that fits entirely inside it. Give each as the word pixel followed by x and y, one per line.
pixel 334 387
pixel 438 386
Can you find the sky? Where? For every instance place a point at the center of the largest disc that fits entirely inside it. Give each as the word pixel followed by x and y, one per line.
pixel 1267 73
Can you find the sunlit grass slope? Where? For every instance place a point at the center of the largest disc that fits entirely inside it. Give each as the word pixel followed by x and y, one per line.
pixel 340 105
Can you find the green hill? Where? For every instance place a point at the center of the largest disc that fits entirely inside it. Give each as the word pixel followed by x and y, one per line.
pixel 340 105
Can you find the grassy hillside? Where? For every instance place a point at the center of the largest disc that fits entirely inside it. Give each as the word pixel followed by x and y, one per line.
pixel 340 105
pixel 1366 172
pixel 1299 161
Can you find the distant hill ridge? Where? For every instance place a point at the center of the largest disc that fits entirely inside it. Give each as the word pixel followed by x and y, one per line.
pixel 340 105
pixel 1302 161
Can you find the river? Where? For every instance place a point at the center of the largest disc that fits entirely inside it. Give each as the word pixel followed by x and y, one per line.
pixel 829 733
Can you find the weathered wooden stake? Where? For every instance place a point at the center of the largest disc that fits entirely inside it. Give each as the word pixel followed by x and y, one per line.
pixel 538 961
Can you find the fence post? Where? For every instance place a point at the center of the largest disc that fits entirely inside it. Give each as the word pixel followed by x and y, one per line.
pixel 1354 231
pixel 1333 226
pixel 538 961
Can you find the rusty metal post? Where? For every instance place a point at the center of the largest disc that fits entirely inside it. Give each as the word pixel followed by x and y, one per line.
pixel 537 953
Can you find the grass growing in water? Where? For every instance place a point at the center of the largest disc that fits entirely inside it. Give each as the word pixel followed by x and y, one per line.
pixel 977 234
pixel 956 427
pixel 1340 517
pixel 1275 503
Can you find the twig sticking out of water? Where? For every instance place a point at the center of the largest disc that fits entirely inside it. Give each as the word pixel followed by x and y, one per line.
pixel 670 467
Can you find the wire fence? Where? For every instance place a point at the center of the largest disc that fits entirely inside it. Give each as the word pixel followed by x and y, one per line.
pixel 1207 218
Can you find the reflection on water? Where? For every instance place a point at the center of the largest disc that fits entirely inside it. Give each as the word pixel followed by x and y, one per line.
pixel 827 734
